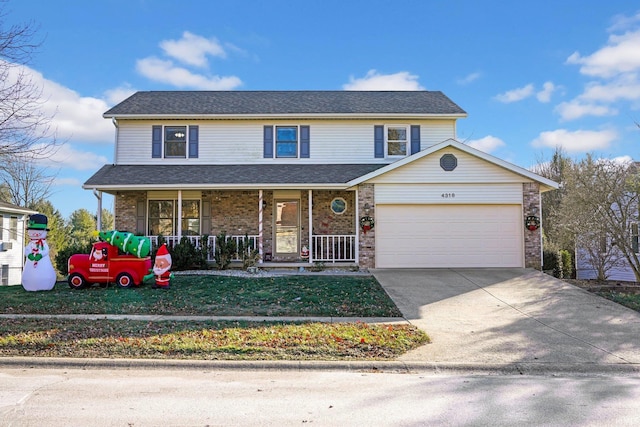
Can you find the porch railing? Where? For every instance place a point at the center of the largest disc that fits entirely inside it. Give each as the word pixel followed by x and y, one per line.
pixel 333 247
pixel 211 243
pixel 325 247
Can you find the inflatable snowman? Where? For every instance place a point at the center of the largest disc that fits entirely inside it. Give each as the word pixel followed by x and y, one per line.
pixel 38 273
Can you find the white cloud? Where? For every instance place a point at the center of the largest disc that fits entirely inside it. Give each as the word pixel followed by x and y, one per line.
pixel 621 55
pixel 193 49
pixel 166 72
pixel 575 141
pixel 469 79
pixel 622 22
pixel 72 116
pixel 577 108
pixel 516 94
pixel 375 81
pixel 487 144
pixel 626 87
pixel 119 94
pixel 67 157
pixel 71 182
pixel 548 88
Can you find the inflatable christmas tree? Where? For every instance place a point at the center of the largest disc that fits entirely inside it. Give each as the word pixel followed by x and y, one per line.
pixel 128 243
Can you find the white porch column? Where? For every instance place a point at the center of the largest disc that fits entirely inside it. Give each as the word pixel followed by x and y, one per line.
pixel 357 227
pixel 311 254
pixel 98 195
pixel 260 216
pixel 179 227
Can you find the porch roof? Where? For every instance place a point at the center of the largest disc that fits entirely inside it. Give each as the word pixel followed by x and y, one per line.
pixel 267 176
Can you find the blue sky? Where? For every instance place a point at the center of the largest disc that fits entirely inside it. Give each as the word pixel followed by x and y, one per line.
pixel 531 75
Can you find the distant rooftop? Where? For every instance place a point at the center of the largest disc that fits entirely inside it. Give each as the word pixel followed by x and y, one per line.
pixel 202 103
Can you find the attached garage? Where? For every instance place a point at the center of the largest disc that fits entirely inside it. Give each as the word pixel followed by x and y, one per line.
pixel 451 205
pixel 437 236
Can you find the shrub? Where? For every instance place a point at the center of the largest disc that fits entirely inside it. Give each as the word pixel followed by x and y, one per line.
pixel 551 261
pixel 63 255
pixel 225 251
pixel 567 267
pixel 183 255
pixel 247 250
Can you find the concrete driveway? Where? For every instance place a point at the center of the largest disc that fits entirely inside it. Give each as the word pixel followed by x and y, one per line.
pixel 489 317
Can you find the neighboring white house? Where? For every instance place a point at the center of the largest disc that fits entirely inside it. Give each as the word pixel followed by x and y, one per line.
pixel 371 178
pixel 12 229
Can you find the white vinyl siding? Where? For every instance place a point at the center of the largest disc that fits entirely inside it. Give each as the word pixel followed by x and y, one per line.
pixel 437 236
pixel 470 169
pixel 449 194
pixel 13 257
pixel 241 141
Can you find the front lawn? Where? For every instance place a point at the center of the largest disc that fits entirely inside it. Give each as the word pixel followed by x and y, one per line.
pixel 210 295
pixel 213 295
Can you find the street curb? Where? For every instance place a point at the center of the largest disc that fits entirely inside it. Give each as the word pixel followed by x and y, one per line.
pixel 345 366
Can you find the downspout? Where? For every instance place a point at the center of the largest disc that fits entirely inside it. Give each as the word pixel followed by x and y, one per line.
pixel 98 195
pixel 311 254
pixel 260 217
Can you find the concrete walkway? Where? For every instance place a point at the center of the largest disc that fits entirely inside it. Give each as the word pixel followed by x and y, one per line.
pixel 513 317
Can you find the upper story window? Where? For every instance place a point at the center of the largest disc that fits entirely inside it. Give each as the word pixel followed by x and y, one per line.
pixel 175 141
pixel 287 141
pixel 392 141
pixel 396 140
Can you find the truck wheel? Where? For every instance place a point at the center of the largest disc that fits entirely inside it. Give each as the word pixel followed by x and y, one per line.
pixel 124 280
pixel 76 281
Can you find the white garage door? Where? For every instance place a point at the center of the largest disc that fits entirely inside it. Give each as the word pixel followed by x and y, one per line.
pixel 432 236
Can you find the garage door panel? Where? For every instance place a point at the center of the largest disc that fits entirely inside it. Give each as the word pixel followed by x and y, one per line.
pixel 448 236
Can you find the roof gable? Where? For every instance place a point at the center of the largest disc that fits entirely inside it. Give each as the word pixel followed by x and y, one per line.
pixel 265 103
pixel 425 166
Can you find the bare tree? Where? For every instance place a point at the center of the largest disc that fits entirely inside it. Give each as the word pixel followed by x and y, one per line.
pixel 25 181
pixel 24 127
pixel 601 201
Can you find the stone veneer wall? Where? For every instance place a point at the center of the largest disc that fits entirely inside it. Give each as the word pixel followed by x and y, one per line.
pixel 532 239
pixel 367 247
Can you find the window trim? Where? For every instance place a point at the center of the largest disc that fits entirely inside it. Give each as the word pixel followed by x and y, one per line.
pixel 184 143
pixel 407 140
pixel 174 224
pixel 275 141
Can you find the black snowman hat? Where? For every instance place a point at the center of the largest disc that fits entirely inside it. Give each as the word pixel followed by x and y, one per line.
pixel 38 222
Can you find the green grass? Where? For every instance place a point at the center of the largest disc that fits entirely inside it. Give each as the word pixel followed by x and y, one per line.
pixel 344 296
pixel 207 340
pixel 211 295
pixel 631 300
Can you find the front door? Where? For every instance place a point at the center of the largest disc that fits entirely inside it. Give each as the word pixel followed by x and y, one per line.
pixel 287 227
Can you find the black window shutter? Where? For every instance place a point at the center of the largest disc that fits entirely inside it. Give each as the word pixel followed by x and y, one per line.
pixel 415 139
pixel 268 142
pixel 305 151
pixel 193 142
pixel 378 141
pixel 156 142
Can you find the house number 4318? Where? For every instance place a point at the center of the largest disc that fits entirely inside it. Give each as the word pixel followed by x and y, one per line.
pixel 448 195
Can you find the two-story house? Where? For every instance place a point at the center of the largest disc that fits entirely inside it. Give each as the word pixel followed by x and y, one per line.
pixel 371 178
pixel 12 232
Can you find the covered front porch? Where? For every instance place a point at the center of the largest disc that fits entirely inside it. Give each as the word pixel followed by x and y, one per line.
pixel 284 226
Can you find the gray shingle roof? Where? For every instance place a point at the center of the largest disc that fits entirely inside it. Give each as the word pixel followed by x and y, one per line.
pixel 178 103
pixel 220 175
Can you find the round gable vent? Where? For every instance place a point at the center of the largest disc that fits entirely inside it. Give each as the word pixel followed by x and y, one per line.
pixel 448 162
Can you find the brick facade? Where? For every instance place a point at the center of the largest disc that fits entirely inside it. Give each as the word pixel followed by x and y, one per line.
pixel 367 242
pixel 532 239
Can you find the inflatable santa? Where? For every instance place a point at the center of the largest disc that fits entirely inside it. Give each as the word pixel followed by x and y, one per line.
pixel 38 273
pixel 161 268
